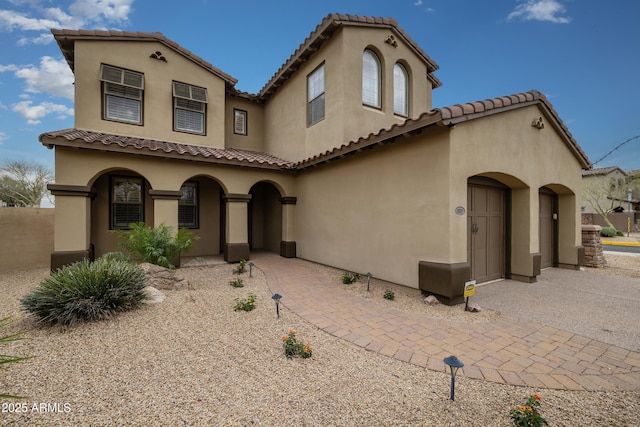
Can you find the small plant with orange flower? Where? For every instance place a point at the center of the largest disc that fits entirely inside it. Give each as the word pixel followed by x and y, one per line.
pixel 246 304
pixel 293 348
pixel 528 415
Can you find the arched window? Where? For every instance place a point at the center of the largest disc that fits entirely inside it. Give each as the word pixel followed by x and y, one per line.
pixel 400 90
pixel 370 79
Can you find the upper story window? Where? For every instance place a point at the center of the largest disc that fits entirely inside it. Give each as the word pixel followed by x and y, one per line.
pixel 239 122
pixel 188 206
pixel 122 92
pixel 126 202
pixel 315 97
pixel 400 90
pixel 189 105
pixel 371 79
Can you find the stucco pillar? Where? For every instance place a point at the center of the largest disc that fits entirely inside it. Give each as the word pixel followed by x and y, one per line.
pixel 236 246
pixel 72 230
pixel 288 243
pixel 570 248
pixel 525 251
pixel 165 207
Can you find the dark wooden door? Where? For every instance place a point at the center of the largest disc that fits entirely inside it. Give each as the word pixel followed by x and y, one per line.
pixel 485 232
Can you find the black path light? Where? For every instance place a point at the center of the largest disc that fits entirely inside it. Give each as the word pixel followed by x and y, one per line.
pixel 454 363
pixel 368 280
pixel 276 298
pixel 251 269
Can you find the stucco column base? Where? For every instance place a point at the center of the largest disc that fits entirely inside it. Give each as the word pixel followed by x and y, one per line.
pixel 444 280
pixel 287 249
pixel 61 259
pixel 234 252
pixel 524 278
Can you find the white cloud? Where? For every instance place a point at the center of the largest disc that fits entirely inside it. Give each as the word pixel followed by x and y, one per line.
pixel 540 10
pixel 10 20
pixel 53 77
pixel 3 136
pixel 33 113
pixel 418 3
pixel 10 67
pixel 42 39
pixel 102 10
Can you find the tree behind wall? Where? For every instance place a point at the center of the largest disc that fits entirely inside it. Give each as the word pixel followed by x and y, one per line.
pixel 24 184
pixel 606 194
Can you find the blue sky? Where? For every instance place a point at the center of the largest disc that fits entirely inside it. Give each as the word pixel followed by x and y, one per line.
pixel 584 55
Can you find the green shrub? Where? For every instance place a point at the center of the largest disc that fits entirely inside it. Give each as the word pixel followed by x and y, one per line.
pixel 246 304
pixel 608 232
pixel 117 256
pixel 237 283
pixel 4 358
pixel 241 267
pixel 349 278
pixel 619 233
pixel 155 245
pixel 389 295
pixel 86 291
pixel 292 347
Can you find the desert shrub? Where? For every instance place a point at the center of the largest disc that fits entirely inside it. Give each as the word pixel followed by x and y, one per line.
pixel 608 232
pixel 349 278
pixel 155 245
pixel 116 256
pixel 619 233
pixel 86 291
pixel 237 283
pixel 241 267
pixel 388 294
pixel 4 358
pixel 293 347
pixel 246 304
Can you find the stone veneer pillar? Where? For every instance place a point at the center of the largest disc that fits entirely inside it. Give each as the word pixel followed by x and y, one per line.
pixel 593 256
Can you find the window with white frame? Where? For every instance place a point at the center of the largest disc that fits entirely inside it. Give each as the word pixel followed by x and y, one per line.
pixel 315 97
pixel 371 79
pixel 122 92
pixel 400 90
pixel 189 105
pixel 239 122
pixel 188 206
pixel 126 201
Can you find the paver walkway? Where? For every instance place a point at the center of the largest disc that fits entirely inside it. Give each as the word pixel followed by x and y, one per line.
pixel 509 350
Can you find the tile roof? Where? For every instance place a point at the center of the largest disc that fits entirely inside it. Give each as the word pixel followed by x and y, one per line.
pixel 325 30
pixel 449 116
pixel 118 143
pixel 67 38
pixel 602 171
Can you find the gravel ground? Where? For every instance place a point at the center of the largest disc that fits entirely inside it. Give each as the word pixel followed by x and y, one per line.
pixel 192 360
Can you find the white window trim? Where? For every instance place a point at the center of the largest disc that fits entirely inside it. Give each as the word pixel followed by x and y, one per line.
pixel 404 112
pixel 240 118
pixel 371 77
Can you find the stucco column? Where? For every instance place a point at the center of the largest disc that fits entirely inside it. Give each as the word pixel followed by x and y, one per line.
pixel 570 248
pixel 525 250
pixel 72 230
pixel 236 246
pixel 165 207
pixel 288 243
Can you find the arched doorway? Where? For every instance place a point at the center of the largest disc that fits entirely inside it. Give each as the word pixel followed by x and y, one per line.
pixel 265 217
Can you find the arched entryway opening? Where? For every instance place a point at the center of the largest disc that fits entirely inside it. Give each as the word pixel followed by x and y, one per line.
pixel 265 217
pixel 201 210
pixel 121 197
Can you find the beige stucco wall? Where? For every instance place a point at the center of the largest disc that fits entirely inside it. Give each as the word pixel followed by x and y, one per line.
pixel 27 238
pixel 158 92
pixel 507 148
pixel 380 212
pixel 346 119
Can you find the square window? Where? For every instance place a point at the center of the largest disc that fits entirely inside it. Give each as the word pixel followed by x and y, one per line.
pixel 239 122
pixel 122 93
pixel 189 103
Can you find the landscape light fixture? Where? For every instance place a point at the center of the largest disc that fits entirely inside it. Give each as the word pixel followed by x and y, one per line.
pixel 368 280
pixel 276 298
pixel 454 363
pixel 251 269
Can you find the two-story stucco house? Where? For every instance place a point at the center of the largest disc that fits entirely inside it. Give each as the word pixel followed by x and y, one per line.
pixel 339 159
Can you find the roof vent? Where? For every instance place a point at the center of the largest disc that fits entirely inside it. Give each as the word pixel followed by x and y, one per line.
pixel 158 55
pixel 391 40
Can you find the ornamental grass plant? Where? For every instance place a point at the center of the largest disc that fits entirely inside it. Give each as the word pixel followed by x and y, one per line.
pixel 86 291
pixel 5 358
